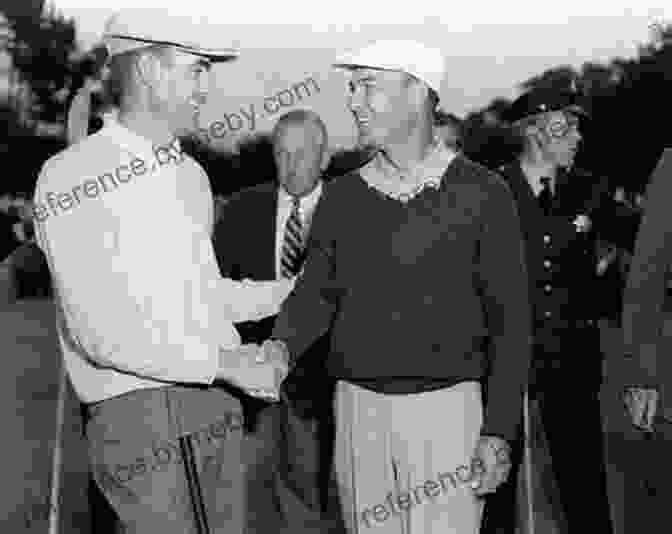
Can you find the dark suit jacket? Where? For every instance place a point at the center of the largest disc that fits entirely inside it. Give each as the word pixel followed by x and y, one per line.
pixel 644 298
pixel 8 241
pixel 244 243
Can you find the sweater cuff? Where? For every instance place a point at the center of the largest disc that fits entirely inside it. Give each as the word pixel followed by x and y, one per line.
pixel 642 368
pixel 508 433
pixel 284 334
pixel 503 421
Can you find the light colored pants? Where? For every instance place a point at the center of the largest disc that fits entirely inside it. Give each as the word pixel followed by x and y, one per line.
pixel 403 461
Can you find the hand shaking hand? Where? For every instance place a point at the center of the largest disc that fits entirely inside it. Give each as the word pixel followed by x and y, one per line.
pixel 275 354
pixel 259 371
pixel 491 464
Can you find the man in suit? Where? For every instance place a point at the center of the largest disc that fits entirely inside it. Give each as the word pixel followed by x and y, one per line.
pixel 8 218
pixel 261 236
pixel 562 212
pixel 641 454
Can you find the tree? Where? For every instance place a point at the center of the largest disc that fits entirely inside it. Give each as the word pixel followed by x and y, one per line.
pixel 42 49
pixel 628 103
pixel 555 78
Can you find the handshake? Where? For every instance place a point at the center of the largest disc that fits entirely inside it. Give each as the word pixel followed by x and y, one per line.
pixel 258 370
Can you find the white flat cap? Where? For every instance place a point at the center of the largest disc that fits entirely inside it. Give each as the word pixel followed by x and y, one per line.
pixel 135 28
pixel 425 63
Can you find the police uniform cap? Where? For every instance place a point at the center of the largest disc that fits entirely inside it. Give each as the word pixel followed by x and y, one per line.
pixel 542 100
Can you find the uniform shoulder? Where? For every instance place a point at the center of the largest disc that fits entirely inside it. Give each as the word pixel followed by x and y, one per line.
pixel 508 169
pixel 479 174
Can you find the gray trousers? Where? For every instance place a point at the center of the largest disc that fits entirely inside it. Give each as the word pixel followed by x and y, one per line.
pixel 139 463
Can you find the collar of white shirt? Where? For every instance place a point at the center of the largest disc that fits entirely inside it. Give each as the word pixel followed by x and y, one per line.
pixel 133 142
pixel 380 175
pixel 307 204
pixel 536 185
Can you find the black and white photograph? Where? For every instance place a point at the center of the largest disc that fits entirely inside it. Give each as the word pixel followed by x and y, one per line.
pixel 350 268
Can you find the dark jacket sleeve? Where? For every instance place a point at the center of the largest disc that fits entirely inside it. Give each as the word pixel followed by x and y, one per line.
pixel 308 312
pixel 226 238
pixel 508 313
pixel 646 286
pixel 614 222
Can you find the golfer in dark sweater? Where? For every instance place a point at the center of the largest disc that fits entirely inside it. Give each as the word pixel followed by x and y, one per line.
pixel 415 264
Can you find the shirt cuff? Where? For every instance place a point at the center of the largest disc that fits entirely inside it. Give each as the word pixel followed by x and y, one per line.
pixel 204 369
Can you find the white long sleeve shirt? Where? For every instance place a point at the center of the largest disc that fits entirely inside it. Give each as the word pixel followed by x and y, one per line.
pixel 125 228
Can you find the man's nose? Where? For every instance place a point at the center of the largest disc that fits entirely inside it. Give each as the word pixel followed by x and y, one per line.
pixel 202 89
pixel 355 99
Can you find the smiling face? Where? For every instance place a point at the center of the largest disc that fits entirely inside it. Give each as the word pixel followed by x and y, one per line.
pixel 180 84
pixel 386 105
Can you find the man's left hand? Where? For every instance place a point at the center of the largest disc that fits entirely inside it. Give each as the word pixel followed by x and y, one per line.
pixel 273 352
pixel 493 464
pixel 642 404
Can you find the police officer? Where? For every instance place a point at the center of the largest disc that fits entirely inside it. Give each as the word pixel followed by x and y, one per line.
pixel 562 212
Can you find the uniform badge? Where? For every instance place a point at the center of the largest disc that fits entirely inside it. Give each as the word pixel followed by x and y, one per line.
pixel 582 223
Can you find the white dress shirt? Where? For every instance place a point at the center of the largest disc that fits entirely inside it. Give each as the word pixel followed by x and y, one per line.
pixel 139 296
pixel 381 176
pixel 285 205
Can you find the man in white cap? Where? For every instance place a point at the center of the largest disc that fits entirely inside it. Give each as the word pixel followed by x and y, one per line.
pixel 415 264
pixel 146 322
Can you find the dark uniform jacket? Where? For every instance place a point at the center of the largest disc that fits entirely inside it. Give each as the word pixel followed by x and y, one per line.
pixel 561 258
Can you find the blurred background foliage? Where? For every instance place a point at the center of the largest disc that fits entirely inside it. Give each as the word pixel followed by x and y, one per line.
pixel 628 100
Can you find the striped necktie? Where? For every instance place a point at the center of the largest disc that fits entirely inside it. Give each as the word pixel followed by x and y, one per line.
pixel 293 245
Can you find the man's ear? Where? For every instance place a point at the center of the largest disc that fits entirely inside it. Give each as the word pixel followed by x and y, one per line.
pixel 148 69
pixel 536 135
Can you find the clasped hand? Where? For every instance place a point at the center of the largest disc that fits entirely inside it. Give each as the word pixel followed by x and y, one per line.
pixel 491 465
pixel 272 353
pixel 258 370
pixel 641 404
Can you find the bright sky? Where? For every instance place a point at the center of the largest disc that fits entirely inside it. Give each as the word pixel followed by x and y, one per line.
pixel 490 46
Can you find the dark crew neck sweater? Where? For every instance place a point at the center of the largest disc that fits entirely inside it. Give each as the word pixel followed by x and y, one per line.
pixel 419 295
